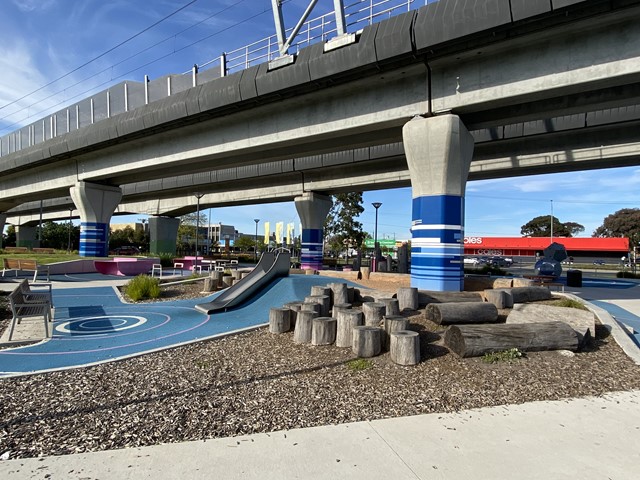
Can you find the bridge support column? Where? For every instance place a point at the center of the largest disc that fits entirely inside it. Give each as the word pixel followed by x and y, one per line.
pixel 312 209
pixel 27 236
pixel 96 204
pixel 439 151
pixel 164 234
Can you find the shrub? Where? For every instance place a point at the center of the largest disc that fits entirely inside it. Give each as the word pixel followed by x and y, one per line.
pixel 166 259
pixel 142 286
pixel 359 364
pixel 569 303
pixel 504 356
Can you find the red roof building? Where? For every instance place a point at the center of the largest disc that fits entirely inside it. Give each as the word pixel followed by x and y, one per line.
pixel 529 246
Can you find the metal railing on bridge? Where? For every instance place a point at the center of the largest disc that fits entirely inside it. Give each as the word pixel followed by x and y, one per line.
pixel 129 95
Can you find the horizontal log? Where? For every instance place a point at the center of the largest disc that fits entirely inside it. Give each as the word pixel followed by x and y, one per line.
pixel 461 312
pixel 476 340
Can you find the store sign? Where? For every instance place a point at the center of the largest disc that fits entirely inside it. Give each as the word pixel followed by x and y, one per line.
pixel 473 240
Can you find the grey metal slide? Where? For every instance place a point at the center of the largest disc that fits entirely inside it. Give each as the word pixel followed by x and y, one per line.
pixel 270 266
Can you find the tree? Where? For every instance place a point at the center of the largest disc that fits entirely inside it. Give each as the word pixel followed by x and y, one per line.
pixel 341 227
pixel 187 228
pixel 623 223
pixel 56 235
pixel 541 227
pixel 246 243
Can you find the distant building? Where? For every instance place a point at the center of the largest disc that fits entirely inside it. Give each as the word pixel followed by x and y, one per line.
pixel 137 227
pixel 218 234
pixel 611 248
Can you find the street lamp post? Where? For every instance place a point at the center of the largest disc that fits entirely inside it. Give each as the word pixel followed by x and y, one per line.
pixel 198 196
pixel 551 221
pixel 376 205
pixel 255 252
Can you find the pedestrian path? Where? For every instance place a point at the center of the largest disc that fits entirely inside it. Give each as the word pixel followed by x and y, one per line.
pixel 590 438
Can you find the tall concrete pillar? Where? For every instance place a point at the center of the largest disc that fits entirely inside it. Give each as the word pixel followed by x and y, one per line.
pixel 96 204
pixel 312 209
pixel 439 151
pixel 27 236
pixel 164 234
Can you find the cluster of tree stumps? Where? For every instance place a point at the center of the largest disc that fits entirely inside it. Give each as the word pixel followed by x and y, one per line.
pixel 327 317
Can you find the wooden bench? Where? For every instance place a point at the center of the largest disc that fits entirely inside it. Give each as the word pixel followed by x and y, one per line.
pixel 24 264
pixel 16 249
pixel 23 308
pixel 44 250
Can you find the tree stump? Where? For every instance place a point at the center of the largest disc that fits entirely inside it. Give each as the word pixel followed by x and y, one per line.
pixel 295 307
pixel 365 271
pixel 476 340
pixel 323 300
pixel 366 341
pixel 227 280
pixel 408 298
pixel 304 323
pixel 391 304
pixel 236 274
pixel 530 294
pixel 405 347
pixel 217 277
pixel 373 313
pixel 339 292
pixel 210 284
pixel 310 306
pixel 392 323
pixel 320 290
pixel 323 331
pixel 338 307
pixel 501 298
pixel 351 294
pixel 346 320
pixel 461 312
pixel 279 320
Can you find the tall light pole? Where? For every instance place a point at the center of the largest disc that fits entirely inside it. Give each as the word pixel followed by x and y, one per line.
pixel 376 205
pixel 255 252
pixel 198 195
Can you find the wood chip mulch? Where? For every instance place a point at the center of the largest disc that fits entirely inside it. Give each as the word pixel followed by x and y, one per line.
pixel 259 382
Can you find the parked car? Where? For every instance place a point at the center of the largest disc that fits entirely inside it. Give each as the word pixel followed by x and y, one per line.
pixel 598 262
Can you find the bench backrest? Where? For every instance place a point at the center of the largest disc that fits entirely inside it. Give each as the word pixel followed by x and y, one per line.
pixel 20 263
pixel 16 298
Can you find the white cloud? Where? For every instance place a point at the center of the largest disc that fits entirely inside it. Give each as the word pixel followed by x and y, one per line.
pixel 31 5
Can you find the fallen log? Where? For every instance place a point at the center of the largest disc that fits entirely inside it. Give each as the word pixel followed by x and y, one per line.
pixel 461 312
pixel 530 294
pixel 476 340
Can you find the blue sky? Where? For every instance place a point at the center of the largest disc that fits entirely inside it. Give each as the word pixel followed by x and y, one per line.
pixel 46 48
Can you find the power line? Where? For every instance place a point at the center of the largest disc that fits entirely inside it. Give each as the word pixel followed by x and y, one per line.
pixel 100 56
pixel 125 74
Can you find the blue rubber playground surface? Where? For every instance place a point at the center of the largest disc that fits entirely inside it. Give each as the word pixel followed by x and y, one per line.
pixel 92 325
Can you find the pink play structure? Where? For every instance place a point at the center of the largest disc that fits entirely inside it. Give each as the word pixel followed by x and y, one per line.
pixel 125 266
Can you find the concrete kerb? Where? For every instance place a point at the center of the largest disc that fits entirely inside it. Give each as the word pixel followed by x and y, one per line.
pixel 619 334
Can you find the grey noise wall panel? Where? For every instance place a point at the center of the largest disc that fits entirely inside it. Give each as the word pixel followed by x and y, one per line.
pixel 528 8
pixel 220 92
pixel 247 171
pixel 337 158
pixel 614 115
pixel 306 163
pixel 136 94
pixel 157 89
pixel 99 106
pixel 180 83
pixel 270 81
pixel 394 36
pixel 248 83
pixel 166 110
pixel 116 95
pixel 452 19
pixel 359 55
pixel 556 124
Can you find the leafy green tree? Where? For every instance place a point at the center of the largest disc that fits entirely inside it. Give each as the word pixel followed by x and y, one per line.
pixel 341 227
pixel 246 243
pixel 9 239
pixel 56 235
pixel 187 228
pixel 541 227
pixel 623 223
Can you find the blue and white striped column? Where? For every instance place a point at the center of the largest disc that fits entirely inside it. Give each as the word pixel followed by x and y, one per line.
pixel 312 209
pixel 311 256
pixel 436 246
pixel 439 151
pixel 96 204
pixel 94 239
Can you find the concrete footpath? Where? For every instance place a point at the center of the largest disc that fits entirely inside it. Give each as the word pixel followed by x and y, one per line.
pixel 588 438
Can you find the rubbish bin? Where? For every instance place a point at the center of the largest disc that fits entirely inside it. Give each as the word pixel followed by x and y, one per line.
pixel 574 278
